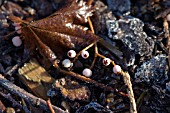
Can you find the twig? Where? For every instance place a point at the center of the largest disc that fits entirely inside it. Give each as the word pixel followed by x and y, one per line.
pixel 95 56
pixel 2 107
pixel 163 14
pixel 89 2
pixel 15 67
pixel 50 105
pixel 91 25
pixel 126 78
pixel 166 27
pixel 102 56
pixel 14 103
pixel 167 35
pixel 83 78
pixel 29 98
pixel 92 30
pixel 88 80
pixel 141 98
pixel 110 48
pixel 89 46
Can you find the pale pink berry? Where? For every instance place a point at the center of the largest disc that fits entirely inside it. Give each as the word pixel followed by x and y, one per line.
pixel 106 61
pixel 67 63
pixel 71 53
pixel 117 69
pixel 16 24
pixel 18 29
pixel 85 54
pixel 168 17
pixel 87 72
pixel 17 41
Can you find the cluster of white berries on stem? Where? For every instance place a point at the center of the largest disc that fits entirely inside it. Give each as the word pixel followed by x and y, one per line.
pixel 67 63
pixel 17 40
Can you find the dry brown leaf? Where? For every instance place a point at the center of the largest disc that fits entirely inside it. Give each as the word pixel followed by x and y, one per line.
pixel 36 78
pixel 59 32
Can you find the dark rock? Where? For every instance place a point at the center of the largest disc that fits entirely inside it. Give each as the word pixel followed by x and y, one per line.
pixel 101 15
pixel 168 86
pixel 7 59
pixel 130 32
pixel 121 6
pixel 2 70
pixel 93 107
pixel 153 71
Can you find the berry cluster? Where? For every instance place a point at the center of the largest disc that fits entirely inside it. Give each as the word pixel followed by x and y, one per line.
pixel 17 40
pixel 85 54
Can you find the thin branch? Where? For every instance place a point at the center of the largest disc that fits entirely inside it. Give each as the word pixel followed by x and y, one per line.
pixel 89 46
pixel 167 35
pixel 126 78
pixel 89 2
pixel 88 80
pixel 29 98
pixel 91 25
pixel 95 56
pixel 50 105
pixel 85 79
pixel 166 27
pixel 141 98
pixel 163 14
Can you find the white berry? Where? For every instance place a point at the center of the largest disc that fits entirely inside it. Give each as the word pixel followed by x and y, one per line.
pixel 18 29
pixel 71 53
pixel 117 69
pixel 16 24
pixel 16 41
pixel 85 54
pixel 168 17
pixel 87 72
pixel 106 61
pixel 67 63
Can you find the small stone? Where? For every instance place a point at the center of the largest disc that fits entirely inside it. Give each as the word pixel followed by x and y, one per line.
pixel 17 41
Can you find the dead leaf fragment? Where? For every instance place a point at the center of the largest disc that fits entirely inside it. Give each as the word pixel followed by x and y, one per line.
pixel 36 78
pixel 72 89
